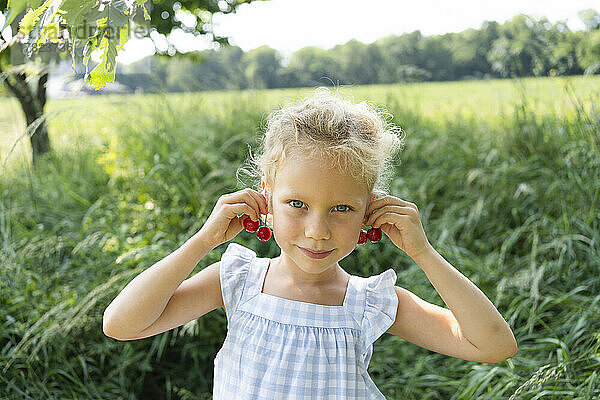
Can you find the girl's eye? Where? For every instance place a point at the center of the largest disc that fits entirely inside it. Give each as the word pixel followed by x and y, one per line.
pixel 296 201
pixel 347 208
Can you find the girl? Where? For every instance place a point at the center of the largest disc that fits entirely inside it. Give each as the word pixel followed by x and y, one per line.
pixel 299 326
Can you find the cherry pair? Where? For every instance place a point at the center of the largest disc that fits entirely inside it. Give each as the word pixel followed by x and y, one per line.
pixel 264 232
pixel 373 234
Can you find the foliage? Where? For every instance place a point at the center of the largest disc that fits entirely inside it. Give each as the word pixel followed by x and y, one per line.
pixel 261 67
pixel 46 24
pixel 508 193
pixel 106 26
pixel 521 47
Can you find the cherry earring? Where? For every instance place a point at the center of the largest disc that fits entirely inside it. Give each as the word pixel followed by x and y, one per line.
pixel 362 239
pixel 250 226
pixel 373 234
pixel 262 232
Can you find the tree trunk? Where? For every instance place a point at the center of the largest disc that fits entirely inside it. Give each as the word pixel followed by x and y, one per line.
pixel 33 107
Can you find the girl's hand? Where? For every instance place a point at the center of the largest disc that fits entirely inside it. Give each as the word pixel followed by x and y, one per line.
pixel 400 221
pixel 223 224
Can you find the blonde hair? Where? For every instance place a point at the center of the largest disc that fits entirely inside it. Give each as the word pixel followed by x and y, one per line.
pixel 356 138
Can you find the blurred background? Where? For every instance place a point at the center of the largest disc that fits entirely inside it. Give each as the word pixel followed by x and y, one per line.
pixel 115 149
pixel 293 43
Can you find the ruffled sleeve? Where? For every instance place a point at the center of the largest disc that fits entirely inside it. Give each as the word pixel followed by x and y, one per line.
pixel 381 304
pixel 235 263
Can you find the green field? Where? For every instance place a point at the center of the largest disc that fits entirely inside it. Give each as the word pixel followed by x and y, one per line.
pixel 485 102
pixel 506 175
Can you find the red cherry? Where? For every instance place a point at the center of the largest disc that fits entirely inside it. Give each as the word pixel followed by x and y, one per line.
pixel 249 225
pixel 264 233
pixel 362 239
pixel 374 234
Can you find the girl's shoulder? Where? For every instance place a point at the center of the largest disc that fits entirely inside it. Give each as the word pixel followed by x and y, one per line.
pixel 377 286
pixel 235 265
pixel 380 306
pixel 237 251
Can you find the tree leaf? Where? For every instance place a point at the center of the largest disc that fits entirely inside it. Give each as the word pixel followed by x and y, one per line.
pixel 104 72
pixel 73 11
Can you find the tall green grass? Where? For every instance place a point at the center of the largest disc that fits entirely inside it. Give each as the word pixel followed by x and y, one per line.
pixel 506 175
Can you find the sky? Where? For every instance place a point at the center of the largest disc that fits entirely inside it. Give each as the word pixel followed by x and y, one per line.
pixel 289 25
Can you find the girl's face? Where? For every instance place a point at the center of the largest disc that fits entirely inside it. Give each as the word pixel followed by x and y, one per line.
pixel 317 208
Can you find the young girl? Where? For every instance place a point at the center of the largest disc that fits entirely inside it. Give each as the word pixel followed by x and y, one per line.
pixel 299 326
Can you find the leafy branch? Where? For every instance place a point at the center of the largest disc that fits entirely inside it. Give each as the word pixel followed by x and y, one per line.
pixel 100 24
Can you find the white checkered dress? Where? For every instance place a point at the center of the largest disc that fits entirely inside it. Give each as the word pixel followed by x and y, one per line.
pixel 278 348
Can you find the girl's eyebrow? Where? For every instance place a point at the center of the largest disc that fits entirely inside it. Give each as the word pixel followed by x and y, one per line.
pixel 292 193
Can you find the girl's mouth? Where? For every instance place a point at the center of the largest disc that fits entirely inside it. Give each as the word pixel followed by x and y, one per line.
pixel 312 254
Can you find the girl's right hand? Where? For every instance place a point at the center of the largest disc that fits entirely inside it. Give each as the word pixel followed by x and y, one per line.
pixel 223 224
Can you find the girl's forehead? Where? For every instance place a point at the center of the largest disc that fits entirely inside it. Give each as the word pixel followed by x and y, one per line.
pixel 315 164
pixel 309 175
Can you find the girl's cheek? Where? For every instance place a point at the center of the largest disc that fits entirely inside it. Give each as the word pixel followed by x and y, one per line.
pixel 288 219
pixel 284 217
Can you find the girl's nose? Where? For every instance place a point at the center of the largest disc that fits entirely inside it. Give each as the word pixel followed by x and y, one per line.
pixel 317 228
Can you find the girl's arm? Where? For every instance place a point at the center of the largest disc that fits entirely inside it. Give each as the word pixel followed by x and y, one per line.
pixel 144 299
pixel 472 316
pixel 159 289
pixel 478 319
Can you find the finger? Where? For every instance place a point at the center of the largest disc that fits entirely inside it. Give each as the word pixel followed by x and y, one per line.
pixel 253 199
pixel 379 203
pixel 261 202
pixel 257 200
pixel 265 202
pixel 369 215
pixel 407 204
pixel 387 218
pixel 387 209
pixel 250 197
pixel 238 209
pixel 380 220
pixel 374 205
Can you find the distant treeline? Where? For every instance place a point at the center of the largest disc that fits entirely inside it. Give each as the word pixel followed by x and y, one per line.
pixel 523 46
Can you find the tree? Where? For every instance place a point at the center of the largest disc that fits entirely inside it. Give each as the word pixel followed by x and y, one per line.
pixel 591 19
pixel 400 55
pixel 83 26
pixel 523 48
pixel 358 62
pixel 563 57
pixel 262 67
pixel 27 82
pixel 435 56
pixel 469 51
pixel 588 48
pixel 313 66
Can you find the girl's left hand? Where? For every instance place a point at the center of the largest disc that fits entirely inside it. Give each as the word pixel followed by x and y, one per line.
pixel 400 221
